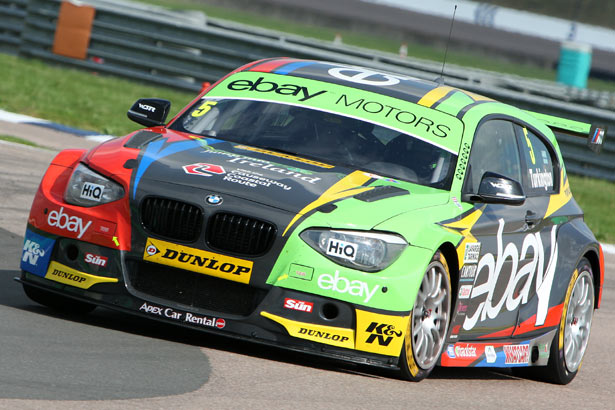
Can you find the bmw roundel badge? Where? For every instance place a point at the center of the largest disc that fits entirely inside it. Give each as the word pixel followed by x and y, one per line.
pixel 213 199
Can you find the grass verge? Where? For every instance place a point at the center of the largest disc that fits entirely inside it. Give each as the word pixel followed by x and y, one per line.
pixel 597 198
pixel 75 98
pixel 18 140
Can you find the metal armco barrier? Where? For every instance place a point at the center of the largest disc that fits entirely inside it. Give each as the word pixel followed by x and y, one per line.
pixel 183 50
pixel 12 17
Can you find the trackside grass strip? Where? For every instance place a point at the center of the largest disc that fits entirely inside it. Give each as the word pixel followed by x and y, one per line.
pixel 76 98
pixel 18 140
pixel 597 198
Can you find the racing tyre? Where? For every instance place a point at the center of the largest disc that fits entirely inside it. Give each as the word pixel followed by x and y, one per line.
pixel 428 322
pixel 571 339
pixel 58 302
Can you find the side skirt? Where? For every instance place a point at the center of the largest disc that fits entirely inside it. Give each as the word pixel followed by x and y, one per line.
pixel 499 353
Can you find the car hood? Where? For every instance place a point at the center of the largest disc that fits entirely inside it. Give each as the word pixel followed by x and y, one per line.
pixel 288 182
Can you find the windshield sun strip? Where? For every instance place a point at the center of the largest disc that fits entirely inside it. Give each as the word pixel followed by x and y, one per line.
pixel 428 141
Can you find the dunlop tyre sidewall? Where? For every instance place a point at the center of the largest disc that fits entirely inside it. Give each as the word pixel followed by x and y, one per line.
pixel 556 371
pixel 409 369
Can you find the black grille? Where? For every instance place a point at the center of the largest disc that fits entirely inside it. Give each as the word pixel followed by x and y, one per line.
pixel 239 234
pixel 195 289
pixel 171 219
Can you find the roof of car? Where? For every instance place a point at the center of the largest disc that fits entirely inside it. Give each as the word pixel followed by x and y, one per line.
pixel 431 94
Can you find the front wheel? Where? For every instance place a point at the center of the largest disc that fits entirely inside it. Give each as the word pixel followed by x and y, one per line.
pixel 428 322
pixel 570 342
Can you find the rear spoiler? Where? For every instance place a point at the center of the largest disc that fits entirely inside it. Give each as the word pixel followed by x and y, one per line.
pixel 595 134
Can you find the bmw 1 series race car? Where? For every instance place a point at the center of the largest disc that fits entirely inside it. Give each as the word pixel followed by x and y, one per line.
pixel 335 210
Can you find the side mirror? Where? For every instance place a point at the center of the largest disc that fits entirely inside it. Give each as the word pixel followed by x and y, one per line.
pixel 497 189
pixel 150 112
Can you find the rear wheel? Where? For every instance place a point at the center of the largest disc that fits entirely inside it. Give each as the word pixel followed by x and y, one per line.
pixel 570 342
pixel 57 302
pixel 428 322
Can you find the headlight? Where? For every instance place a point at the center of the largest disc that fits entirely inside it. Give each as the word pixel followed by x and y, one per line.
pixel 367 251
pixel 88 188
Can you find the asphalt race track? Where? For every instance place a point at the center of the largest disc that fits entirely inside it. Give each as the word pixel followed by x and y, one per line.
pixel 111 360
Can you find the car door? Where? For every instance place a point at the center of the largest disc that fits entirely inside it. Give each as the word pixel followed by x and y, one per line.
pixel 540 172
pixel 493 253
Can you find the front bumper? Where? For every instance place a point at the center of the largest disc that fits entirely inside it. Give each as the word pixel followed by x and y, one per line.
pixel 274 315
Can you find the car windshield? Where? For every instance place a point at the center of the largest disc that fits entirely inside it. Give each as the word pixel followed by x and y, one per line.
pixel 320 135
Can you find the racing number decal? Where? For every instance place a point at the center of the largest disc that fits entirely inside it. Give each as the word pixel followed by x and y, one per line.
pixel 529 145
pixel 204 108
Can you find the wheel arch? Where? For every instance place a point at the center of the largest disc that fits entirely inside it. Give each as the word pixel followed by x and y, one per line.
pixel 576 241
pixel 449 252
pixel 594 258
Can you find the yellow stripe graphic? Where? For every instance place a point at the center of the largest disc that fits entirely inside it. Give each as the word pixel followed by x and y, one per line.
pixel 434 95
pixel 69 276
pixel 477 97
pixel 575 275
pixel 558 200
pixel 345 187
pixel 465 226
pixel 336 336
pixel 287 156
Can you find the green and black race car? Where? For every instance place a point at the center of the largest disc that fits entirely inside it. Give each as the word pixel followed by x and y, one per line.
pixel 334 210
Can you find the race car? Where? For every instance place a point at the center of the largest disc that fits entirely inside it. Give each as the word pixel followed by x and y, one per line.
pixel 335 210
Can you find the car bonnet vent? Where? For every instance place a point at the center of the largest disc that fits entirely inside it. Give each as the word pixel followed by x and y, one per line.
pixel 239 234
pixel 141 138
pixel 171 219
pixel 381 192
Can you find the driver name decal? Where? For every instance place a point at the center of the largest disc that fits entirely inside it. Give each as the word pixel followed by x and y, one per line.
pixel 541 179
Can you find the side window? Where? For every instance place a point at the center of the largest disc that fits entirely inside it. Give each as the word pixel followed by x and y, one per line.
pixel 540 175
pixel 494 149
